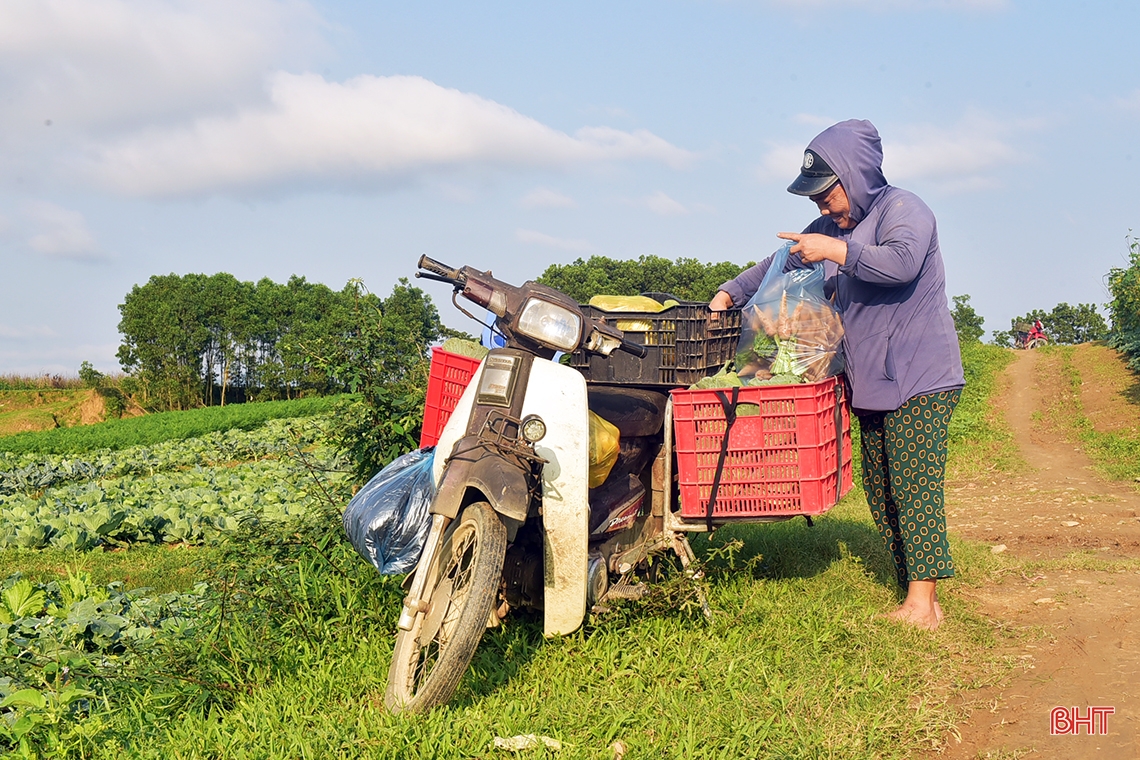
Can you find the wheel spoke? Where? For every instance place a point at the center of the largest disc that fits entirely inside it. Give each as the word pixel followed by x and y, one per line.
pixel 447 605
pixel 429 660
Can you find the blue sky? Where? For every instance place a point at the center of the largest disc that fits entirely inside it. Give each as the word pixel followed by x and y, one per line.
pixel 335 140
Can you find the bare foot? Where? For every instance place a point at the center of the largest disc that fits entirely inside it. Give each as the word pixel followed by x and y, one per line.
pixel 926 618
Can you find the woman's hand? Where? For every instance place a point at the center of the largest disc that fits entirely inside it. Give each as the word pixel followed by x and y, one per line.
pixel 814 247
pixel 720 301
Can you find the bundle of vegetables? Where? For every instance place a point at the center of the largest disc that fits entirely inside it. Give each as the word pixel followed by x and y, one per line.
pixel 794 344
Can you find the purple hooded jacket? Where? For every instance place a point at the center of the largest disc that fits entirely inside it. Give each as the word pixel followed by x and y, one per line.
pixel 899 338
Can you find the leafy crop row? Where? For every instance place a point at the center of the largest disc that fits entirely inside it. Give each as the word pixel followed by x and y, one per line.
pixel 26 473
pixel 156 428
pixel 67 646
pixel 184 491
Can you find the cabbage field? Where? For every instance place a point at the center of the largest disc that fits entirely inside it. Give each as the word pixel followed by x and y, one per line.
pixel 172 492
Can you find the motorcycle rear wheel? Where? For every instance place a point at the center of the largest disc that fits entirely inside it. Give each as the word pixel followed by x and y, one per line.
pixel 1037 343
pixel 429 660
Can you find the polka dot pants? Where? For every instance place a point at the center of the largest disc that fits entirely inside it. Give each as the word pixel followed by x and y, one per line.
pixel 904 461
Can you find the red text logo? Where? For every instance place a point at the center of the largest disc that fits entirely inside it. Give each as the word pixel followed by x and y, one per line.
pixel 1068 720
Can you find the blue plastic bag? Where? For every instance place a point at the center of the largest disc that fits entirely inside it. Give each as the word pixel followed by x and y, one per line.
pixel 387 521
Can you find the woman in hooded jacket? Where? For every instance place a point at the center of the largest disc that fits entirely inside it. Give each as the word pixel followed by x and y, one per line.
pixel 879 248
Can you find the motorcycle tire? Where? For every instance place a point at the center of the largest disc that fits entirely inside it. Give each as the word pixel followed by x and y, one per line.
pixel 463 584
pixel 1037 343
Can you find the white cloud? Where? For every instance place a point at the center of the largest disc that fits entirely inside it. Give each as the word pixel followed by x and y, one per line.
pixel 60 233
pixel 959 157
pixel 42 351
pixel 661 204
pixel 544 197
pixel 781 162
pixel 366 130
pixel 541 238
pixel 965 151
pixel 99 62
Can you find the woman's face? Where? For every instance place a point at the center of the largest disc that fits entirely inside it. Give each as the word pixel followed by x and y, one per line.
pixel 834 203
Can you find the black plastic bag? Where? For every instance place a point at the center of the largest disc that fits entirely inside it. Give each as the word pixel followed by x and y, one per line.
pixel 387 520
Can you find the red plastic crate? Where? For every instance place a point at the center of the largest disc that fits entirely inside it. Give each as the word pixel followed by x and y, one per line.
pixel 450 373
pixel 782 461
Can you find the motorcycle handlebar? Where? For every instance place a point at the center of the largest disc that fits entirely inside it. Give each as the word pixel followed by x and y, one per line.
pixel 436 267
pixel 636 349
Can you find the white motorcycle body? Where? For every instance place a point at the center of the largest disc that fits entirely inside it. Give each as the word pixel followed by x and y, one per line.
pixel 557 394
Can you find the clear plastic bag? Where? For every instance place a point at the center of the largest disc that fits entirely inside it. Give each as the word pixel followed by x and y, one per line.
pixel 387 520
pixel 791 332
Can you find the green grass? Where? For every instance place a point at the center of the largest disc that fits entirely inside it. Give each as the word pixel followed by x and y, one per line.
pixel 796 663
pixel 980 441
pixel 165 426
pixel 41 409
pixel 159 568
pixel 38 382
pixel 1115 455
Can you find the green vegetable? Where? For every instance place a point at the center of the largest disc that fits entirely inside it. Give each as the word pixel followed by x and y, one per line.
pixel 464 348
pixel 785 361
pixel 788 378
pixel 765 346
pixel 727 379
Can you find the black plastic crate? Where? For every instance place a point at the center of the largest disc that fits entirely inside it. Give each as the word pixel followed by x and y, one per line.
pixel 683 345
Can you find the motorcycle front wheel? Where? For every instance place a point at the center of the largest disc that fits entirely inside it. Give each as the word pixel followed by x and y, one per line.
pixel 463 583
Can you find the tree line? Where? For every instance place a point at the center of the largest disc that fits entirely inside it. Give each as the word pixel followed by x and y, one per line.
pixel 200 340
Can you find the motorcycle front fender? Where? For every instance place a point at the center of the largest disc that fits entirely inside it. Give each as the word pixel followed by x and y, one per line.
pixel 503 484
pixel 558 395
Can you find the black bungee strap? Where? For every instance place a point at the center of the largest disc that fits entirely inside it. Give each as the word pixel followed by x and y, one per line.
pixel 838 439
pixel 729 420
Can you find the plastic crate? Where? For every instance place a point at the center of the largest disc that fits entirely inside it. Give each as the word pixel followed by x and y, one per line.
pixel 683 344
pixel 448 378
pixel 782 461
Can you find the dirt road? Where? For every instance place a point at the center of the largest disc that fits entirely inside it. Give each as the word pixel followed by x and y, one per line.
pixel 1083 643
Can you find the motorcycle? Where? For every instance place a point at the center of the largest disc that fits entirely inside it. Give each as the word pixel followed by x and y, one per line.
pixel 1035 337
pixel 514 523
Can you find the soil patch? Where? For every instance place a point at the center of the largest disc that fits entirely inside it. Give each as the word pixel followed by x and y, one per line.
pixel 1110 393
pixel 1081 625
pixel 45 409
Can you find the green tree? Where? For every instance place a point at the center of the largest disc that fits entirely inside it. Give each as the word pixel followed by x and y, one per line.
pixel 89 376
pixel 1064 325
pixel 1069 325
pixel 163 338
pixel 384 360
pixel 967 322
pixel 1124 309
pixel 687 279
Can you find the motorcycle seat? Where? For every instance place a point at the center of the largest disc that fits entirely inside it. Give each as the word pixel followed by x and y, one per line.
pixel 635 412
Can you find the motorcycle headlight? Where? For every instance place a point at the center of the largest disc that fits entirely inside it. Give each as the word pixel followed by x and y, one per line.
pixel 551 324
